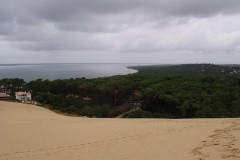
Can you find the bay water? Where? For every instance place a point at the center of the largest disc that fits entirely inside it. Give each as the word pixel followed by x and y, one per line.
pixel 52 71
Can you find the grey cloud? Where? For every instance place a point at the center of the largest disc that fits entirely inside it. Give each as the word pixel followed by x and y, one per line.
pixel 126 26
pixel 6 13
pixel 100 15
pixel 65 10
pixel 58 46
pixel 5 29
pixel 64 42
pixel 62 10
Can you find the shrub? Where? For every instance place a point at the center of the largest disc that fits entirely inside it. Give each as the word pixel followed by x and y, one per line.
pixel 138 114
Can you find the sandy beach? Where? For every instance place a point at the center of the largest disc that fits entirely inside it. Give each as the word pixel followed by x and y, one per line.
pixel 30 132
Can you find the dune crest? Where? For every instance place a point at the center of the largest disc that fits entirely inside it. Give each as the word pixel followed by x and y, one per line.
pixel 29 132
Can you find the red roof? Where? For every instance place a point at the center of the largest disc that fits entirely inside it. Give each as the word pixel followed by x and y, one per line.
pixel 22 93
pixel 136 92
pixel 4 95
pixel 87 98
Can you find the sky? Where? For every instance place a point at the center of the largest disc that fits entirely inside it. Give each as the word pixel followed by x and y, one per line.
pixel 120 31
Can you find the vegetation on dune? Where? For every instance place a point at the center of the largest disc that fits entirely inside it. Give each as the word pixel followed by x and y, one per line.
pixel 15 84
pixel 138 114
pixel 161 96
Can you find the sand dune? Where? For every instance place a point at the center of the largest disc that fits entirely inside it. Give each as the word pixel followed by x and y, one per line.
pixel 30 132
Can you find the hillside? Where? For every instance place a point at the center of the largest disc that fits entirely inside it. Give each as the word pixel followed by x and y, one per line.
pixel 30 132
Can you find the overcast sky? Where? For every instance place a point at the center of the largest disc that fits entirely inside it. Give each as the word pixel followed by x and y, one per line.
pixel 120 31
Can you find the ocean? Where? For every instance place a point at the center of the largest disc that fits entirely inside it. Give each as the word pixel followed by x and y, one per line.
pixel 54 71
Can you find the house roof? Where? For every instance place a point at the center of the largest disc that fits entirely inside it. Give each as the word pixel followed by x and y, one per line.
pixel 87 98
pixel 22 93
pixel 4 89
pixel 4 95
pixel 136 92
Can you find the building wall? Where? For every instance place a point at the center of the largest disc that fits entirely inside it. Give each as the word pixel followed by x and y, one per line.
pixel 29 97
pixel 23 97
pixel 4 98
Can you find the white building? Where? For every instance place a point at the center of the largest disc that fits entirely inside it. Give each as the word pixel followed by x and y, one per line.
pixel 23 96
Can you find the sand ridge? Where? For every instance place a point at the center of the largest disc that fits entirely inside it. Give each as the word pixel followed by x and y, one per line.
pixel 30 132
pixel 221 144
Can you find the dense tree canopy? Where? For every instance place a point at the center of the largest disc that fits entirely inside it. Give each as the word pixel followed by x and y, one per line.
pixel 193 69
pixel 15 84
pixel 161 96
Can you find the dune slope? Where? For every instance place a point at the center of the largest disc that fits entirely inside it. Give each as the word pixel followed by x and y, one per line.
pixel 29 132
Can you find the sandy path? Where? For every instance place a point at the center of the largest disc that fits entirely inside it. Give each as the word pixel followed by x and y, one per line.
pixel 29 132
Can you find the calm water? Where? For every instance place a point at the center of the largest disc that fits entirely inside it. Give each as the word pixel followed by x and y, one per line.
pixel 30 72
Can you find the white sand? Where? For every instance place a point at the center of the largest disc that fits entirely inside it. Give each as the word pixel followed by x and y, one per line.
pixel 29 132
